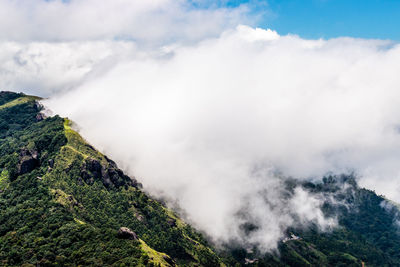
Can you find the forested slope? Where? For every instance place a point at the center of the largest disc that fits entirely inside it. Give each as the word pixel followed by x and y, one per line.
pixel 63 203
pixel 367 231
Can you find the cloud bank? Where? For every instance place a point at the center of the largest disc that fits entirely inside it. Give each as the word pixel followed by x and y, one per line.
pixel 151 21
pixel 208 126
pixel 50 46
pixel 43 68
pixel 208 115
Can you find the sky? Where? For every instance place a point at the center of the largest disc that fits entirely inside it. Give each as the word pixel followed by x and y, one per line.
pixel 205 102
pixel 376 19
pixel 310 19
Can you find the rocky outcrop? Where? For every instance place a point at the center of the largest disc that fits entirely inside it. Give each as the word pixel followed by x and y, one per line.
pixel 40 117
pixel 27 162
pixel 126 233
pixel 108 173
pixel 139 217
pixel 95 167
pixel 86 177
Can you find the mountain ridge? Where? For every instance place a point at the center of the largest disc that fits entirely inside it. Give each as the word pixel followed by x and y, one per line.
pixel 63 203
pixel 89 190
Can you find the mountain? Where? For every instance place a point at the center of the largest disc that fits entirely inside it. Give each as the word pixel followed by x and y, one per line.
pixel 367 233
pixel 63 203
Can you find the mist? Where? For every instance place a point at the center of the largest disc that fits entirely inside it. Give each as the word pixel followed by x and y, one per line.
pixel 209 126
pixel 44 68
pixel 210 116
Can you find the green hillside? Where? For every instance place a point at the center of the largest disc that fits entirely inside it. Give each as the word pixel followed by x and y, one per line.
pixel 63 203
pixel 367 233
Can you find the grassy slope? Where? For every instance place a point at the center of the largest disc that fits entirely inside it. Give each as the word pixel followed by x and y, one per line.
pixel 52 216
pixel 19 101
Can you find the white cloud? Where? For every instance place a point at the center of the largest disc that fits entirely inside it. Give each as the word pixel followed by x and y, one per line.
pixel 151 21
pixel 43 68
pixel 209 125
pixel 204 113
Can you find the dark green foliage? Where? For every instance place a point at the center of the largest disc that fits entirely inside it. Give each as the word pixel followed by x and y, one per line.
pixel 8 96
pixel 67 209
pixel 52 216
pixel 17 117
pixel 366 231
pixel 34 229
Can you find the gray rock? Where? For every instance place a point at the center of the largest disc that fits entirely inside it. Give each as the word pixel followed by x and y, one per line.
pixel 107 172
pixel 28 161
pixel 94 166
pixel 139 217
pixel 126 233
pixel 40 117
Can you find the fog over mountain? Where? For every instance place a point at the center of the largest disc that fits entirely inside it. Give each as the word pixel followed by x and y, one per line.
pixel 211 118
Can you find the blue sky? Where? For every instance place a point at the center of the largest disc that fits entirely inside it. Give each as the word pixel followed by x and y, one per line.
pixel 331 18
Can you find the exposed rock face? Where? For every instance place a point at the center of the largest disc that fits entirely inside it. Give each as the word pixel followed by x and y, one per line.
pixel 139 217
pixel 38 106
pixel 28 161
pixel 94 166
pixel 108 173
pixel 40 117
pixel 126 233
pixel 85 176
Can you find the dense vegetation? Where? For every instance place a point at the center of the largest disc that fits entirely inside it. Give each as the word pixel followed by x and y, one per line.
pixel 367 231
pixel 62 203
